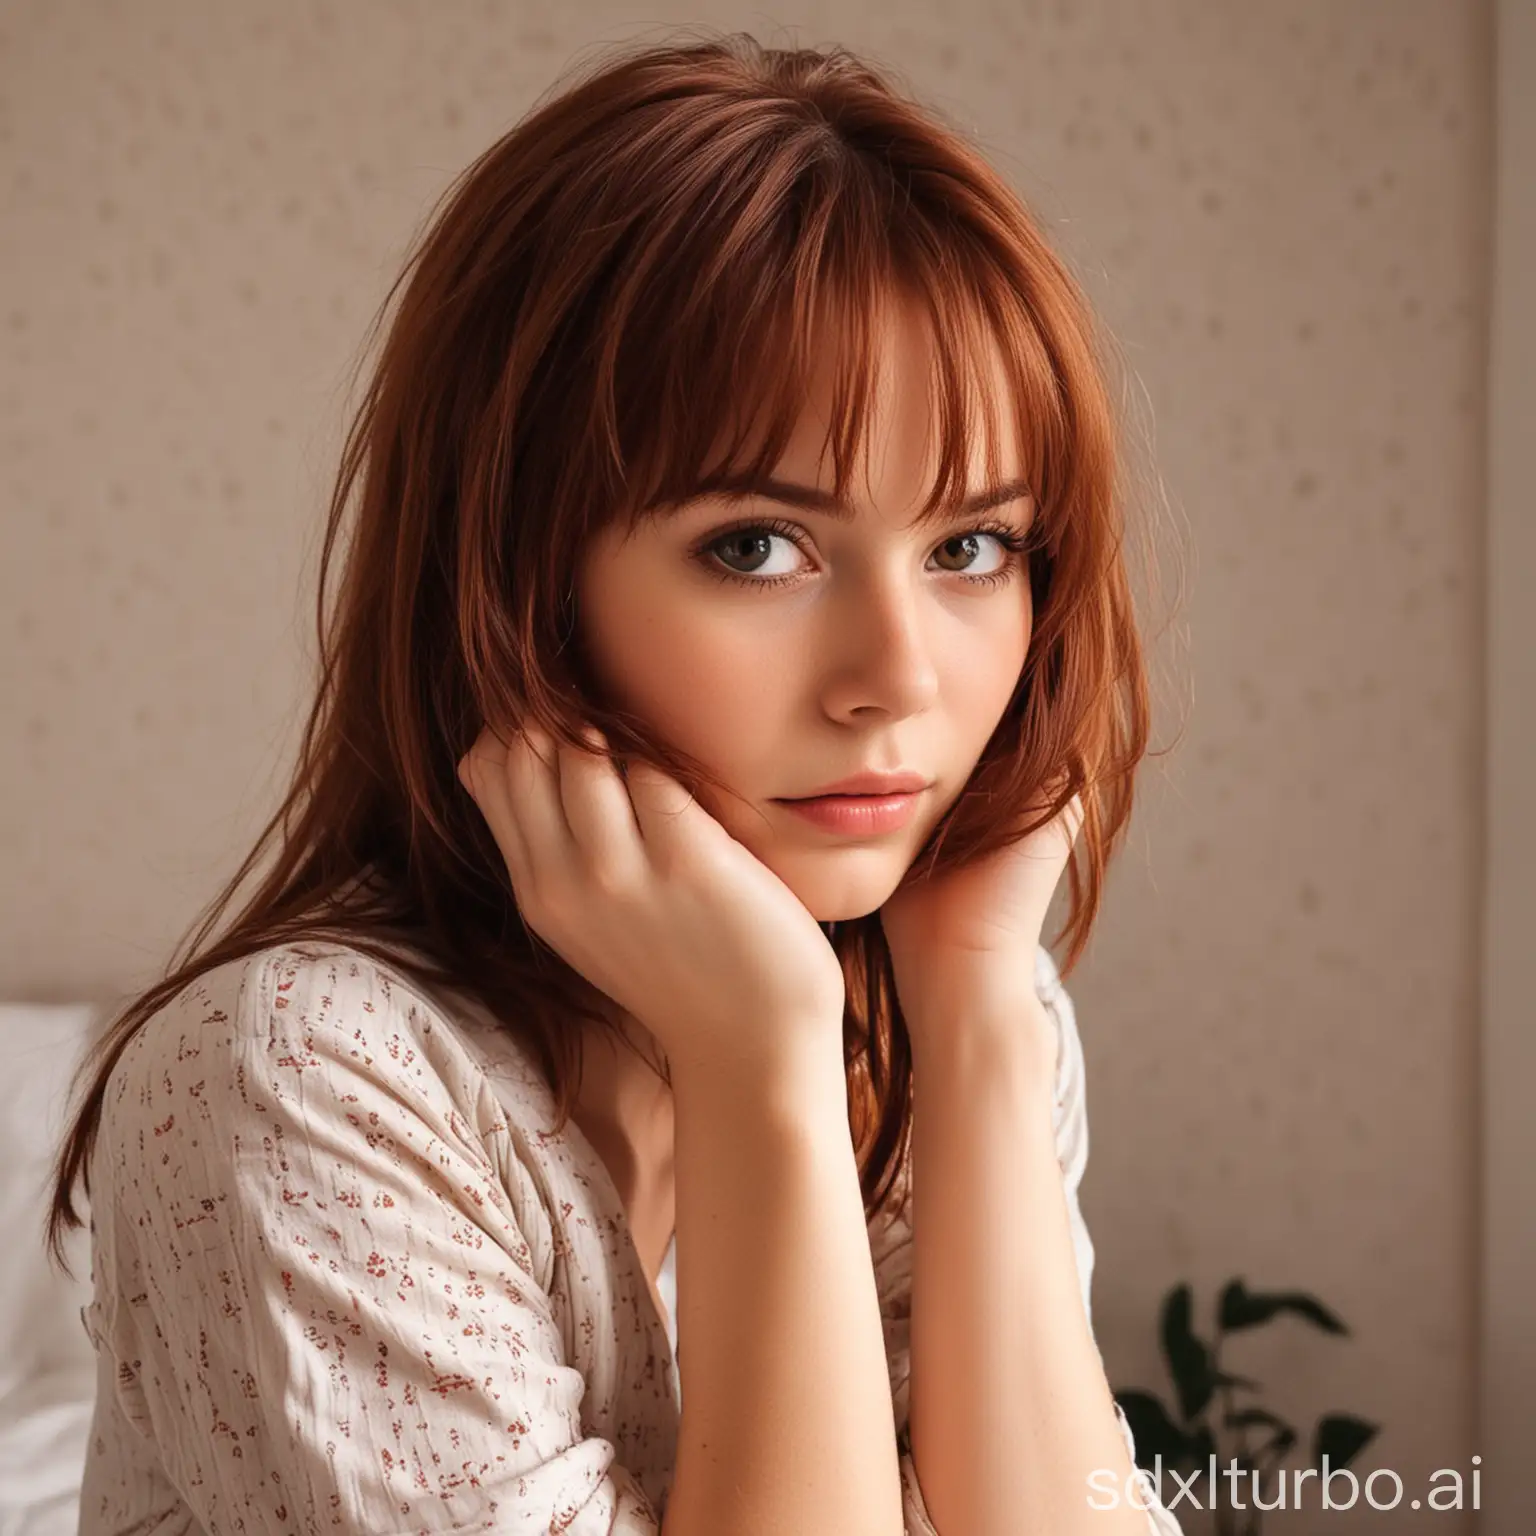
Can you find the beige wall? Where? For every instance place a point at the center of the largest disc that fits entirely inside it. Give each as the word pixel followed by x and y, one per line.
pixel 1508 1334
pixel 1283 210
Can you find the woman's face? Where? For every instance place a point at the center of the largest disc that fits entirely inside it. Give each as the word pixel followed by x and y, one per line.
pixel 880 649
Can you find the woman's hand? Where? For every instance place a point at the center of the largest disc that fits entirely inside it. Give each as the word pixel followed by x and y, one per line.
pixel 963 943
pixel 635 885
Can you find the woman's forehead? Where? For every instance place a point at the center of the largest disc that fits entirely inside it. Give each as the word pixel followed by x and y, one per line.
pixel 901 428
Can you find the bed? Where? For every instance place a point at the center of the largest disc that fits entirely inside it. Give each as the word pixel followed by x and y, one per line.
pixel 47 1367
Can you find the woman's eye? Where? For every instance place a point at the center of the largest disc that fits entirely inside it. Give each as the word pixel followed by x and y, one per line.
pixel 964 547
pixel 753 548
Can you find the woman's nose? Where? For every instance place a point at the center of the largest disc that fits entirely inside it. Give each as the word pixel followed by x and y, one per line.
pixel 878 655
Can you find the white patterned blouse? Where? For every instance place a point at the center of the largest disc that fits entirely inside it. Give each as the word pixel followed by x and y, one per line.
pixel 346 1279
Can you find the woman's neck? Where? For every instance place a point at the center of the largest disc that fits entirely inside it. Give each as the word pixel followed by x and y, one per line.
pixel 624 1109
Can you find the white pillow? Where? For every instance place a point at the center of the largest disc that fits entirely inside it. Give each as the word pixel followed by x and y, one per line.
pixel 47 1365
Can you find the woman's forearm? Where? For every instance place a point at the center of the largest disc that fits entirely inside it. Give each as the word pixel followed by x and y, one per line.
pixel 786 1424
pixel 1009 1409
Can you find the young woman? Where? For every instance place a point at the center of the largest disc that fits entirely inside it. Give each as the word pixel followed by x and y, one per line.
pixel 732 649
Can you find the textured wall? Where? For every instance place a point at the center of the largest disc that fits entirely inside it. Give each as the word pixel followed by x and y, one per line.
pixel 1281 208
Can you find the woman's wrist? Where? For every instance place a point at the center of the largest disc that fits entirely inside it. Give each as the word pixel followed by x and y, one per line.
pixel 799 1083
pixel 1012 1034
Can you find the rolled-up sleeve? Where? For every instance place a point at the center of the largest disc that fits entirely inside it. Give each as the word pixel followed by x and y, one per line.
pixel 891 1248
pixel 320 1302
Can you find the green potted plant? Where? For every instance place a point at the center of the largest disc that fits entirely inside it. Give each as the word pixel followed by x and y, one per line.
pixel 1218 1416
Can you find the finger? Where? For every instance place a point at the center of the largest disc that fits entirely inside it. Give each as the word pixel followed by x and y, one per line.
pixel 483 772
pixel 487 748
pixel 531 784
pixel 598 810
pixel 665 812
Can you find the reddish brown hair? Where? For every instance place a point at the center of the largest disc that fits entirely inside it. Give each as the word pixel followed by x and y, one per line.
pixel 614 305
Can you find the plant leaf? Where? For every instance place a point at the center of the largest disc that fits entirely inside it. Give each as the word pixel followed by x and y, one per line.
pixel 1227 1379
pixel 1279 1448
pixel 1204 1444
pixel 1154 1431
pixel 1342 1436
pixel 1249 1418
pixel 1189 1360
pixel 1242 1308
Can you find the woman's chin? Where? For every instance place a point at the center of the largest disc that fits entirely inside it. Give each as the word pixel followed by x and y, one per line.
pixel 836 880
pixel 837 886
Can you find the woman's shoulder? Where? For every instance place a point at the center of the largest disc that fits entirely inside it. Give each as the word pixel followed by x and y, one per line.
pixel 318 986
pixel 308 1014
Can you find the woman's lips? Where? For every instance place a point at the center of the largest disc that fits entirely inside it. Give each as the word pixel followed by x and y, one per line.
pixel 857 815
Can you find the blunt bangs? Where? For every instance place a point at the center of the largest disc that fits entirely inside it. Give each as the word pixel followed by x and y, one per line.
pixel 717 338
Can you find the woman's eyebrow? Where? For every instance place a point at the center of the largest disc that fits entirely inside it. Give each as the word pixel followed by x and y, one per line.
pixel 813 498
